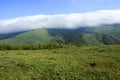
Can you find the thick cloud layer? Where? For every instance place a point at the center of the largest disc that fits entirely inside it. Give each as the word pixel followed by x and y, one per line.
pixel 91 19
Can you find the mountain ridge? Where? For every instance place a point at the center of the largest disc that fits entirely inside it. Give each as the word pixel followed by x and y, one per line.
pixel 103 34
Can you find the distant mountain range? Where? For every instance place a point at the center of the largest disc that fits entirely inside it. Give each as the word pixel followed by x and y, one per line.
pixel 103 34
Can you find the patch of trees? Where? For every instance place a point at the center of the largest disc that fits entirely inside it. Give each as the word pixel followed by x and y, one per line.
pixel 32 47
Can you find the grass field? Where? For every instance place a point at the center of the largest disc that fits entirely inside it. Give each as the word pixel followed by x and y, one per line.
pixel 75 63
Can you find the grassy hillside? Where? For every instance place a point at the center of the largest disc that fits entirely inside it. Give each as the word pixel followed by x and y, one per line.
pixel 86 35
pixel 75 63
pixel 30 37
pixel 102 35
pixel 91 36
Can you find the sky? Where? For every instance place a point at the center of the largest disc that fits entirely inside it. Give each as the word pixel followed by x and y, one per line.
pixel 20 8
pixel 20 15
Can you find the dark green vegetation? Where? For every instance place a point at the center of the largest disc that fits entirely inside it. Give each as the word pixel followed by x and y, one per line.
pixel 33 47
pixel 75 63
pixel 105 34
pixel 9 35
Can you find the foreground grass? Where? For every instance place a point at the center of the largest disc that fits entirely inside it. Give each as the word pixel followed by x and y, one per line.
pixel 75 63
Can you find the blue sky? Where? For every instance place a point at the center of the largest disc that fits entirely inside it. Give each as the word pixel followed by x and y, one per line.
pixel 18 8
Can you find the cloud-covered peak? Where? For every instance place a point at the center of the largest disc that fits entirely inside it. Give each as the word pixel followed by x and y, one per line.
pixel 91 19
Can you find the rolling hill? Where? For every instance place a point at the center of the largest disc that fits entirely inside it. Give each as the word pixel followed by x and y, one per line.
pixel 103 34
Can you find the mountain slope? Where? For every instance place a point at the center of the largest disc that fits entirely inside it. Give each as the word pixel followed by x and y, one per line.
pixel 9 35
pixel 30 37
pixel 104 34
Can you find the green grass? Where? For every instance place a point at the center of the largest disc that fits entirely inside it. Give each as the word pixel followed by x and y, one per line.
pixel 40 36
pixel 75 63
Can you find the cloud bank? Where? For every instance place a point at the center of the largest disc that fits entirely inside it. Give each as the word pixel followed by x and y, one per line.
pixel 91 19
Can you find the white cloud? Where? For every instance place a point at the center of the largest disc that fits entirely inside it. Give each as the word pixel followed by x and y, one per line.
pixel 60 21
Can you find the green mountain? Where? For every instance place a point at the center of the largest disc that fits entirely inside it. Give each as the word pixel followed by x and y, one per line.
pixel 29 37
pixel 103 34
